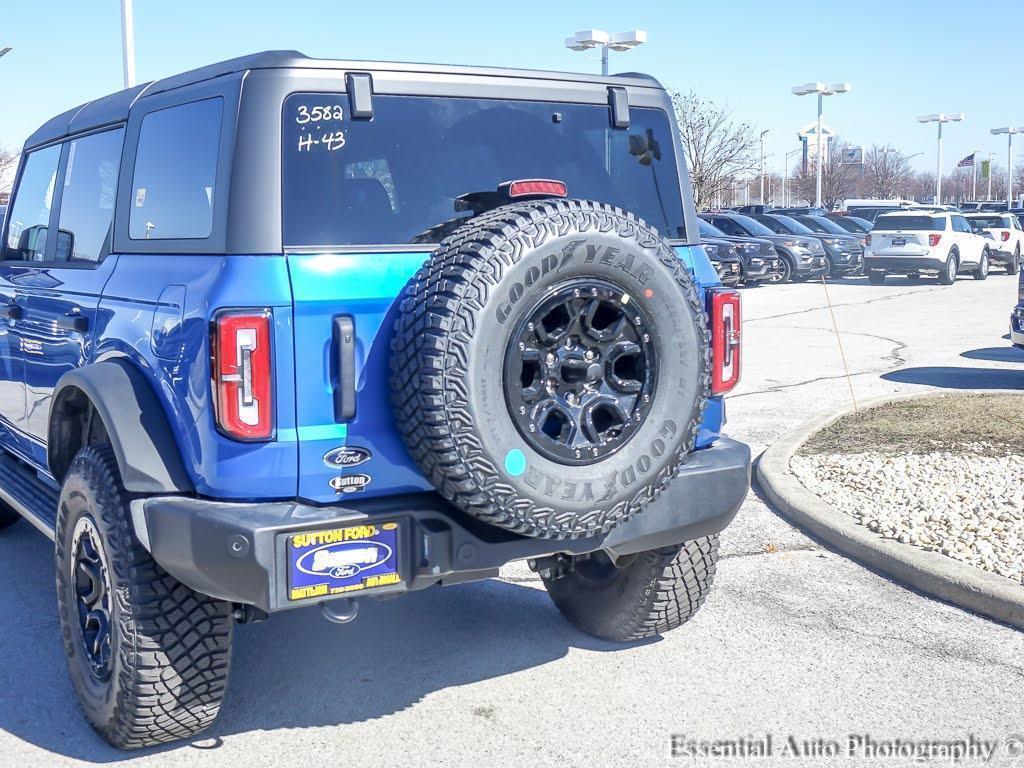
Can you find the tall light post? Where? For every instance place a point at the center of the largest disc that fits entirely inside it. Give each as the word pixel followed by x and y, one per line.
pixel 597 38
pixel 785 174
pixel 128 42
pixel 822 90
pixel 763 134
pixel 1009 161
pixel 941 118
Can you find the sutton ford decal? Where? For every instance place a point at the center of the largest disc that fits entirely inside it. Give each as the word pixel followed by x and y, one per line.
pixel 343 560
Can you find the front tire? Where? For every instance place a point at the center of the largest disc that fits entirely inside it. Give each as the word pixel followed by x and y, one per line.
pixel 1014 265
pixel 148 657
pixel 981 271
pixel 786 271
pixel 643 596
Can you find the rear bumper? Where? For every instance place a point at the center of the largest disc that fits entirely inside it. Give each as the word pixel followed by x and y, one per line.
pixel 904 263
pixel 237 551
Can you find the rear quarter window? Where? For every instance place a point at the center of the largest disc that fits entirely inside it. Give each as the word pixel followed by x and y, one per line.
pixel 174 184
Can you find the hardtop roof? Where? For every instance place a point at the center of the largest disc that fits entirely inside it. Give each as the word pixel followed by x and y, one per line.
pixel 114 108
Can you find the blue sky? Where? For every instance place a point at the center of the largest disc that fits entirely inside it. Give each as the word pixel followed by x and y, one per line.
pixel 903 57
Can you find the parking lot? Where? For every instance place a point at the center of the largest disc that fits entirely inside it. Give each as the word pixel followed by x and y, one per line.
pixel 794 639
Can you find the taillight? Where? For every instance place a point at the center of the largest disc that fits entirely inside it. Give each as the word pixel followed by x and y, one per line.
pixel 1004 236
pixel 867 239
pixel 933 240
pixel 726 344
pixel 242 375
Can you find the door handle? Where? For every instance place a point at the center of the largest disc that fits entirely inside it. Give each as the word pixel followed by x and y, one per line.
pixel 73 322
pixel 14 311
pixel 344 341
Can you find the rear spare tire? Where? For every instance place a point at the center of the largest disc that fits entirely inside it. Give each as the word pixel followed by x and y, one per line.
pixel 550 367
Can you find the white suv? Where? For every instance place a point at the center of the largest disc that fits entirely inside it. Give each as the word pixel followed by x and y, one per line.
pixel 913 242
pixel 1007 236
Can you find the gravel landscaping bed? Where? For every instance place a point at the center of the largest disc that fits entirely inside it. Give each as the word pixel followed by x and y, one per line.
pixel 906 472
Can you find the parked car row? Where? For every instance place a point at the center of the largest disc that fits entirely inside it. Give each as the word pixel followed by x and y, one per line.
pixel 900 238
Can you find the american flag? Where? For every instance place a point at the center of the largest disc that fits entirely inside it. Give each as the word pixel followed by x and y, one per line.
pixel 967 162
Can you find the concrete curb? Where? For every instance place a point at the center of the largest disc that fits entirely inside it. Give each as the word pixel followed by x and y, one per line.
pixel 929 572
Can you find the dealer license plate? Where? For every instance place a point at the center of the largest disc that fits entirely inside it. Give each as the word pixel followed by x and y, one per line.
pixel 338 561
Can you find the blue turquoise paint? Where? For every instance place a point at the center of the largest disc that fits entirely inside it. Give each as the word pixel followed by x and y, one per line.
pixel 515 462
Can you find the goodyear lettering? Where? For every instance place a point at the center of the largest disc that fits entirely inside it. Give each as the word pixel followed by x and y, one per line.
pixel 610 256
pixel 548 264
pixel 553 487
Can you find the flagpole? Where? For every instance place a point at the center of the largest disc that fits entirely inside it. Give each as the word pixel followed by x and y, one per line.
pixel 974 176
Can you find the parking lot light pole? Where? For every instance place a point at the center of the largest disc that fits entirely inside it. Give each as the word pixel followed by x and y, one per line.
pixel 1009 161
pixel 940 118
pixel 128 42
pixel 822 90
pixel 785 174
pixel 596 38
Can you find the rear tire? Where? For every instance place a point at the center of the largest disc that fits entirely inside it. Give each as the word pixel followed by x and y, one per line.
pixel 656 591
pixel 981 271
pixel 1013 266
pixel 148 657
pixel 948 274
pixel 876 276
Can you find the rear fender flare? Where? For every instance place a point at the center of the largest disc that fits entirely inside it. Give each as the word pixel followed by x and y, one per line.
pixel 135 422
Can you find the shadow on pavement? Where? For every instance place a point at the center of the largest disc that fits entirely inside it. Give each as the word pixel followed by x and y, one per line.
pixel 997 354
pixel 952 377
pixel 295 669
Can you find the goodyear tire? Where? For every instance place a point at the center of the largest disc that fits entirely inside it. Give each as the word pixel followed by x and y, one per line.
pixel 550 367
pixel 639 597
pixel 148 657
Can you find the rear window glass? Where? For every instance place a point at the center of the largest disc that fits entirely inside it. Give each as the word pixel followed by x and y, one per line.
pixel 395 178
pixel 175 172
pixel 87 203
pixel 883 223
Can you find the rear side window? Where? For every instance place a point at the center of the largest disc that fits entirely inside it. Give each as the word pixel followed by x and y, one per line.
pixel 395 179
pixel 173 187
pixel 919 223
pixel 30 213
pixel 87 202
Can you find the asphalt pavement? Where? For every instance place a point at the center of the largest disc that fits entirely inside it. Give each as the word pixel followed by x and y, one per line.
pixel 795 643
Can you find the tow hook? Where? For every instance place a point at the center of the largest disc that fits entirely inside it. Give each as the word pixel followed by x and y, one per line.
pixel 340 611
pixel 553 566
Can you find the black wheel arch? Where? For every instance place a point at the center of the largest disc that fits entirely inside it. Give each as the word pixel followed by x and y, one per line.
pixel 111 402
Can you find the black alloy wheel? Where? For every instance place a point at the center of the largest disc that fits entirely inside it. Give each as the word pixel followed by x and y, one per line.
pixel 580 372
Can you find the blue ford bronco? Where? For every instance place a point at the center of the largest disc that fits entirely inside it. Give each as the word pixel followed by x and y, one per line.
pixel 283 331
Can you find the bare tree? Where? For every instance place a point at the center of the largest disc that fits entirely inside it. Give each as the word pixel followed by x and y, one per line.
pixel 8 166
pixel 922 185
pixel 718 149
pixel 839 180
pixel 886 173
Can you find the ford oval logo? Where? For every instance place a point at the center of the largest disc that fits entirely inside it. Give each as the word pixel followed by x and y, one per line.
pixel 345 559
pixel 346 456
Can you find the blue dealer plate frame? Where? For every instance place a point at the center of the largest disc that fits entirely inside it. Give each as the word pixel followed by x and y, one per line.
pixel 346 560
